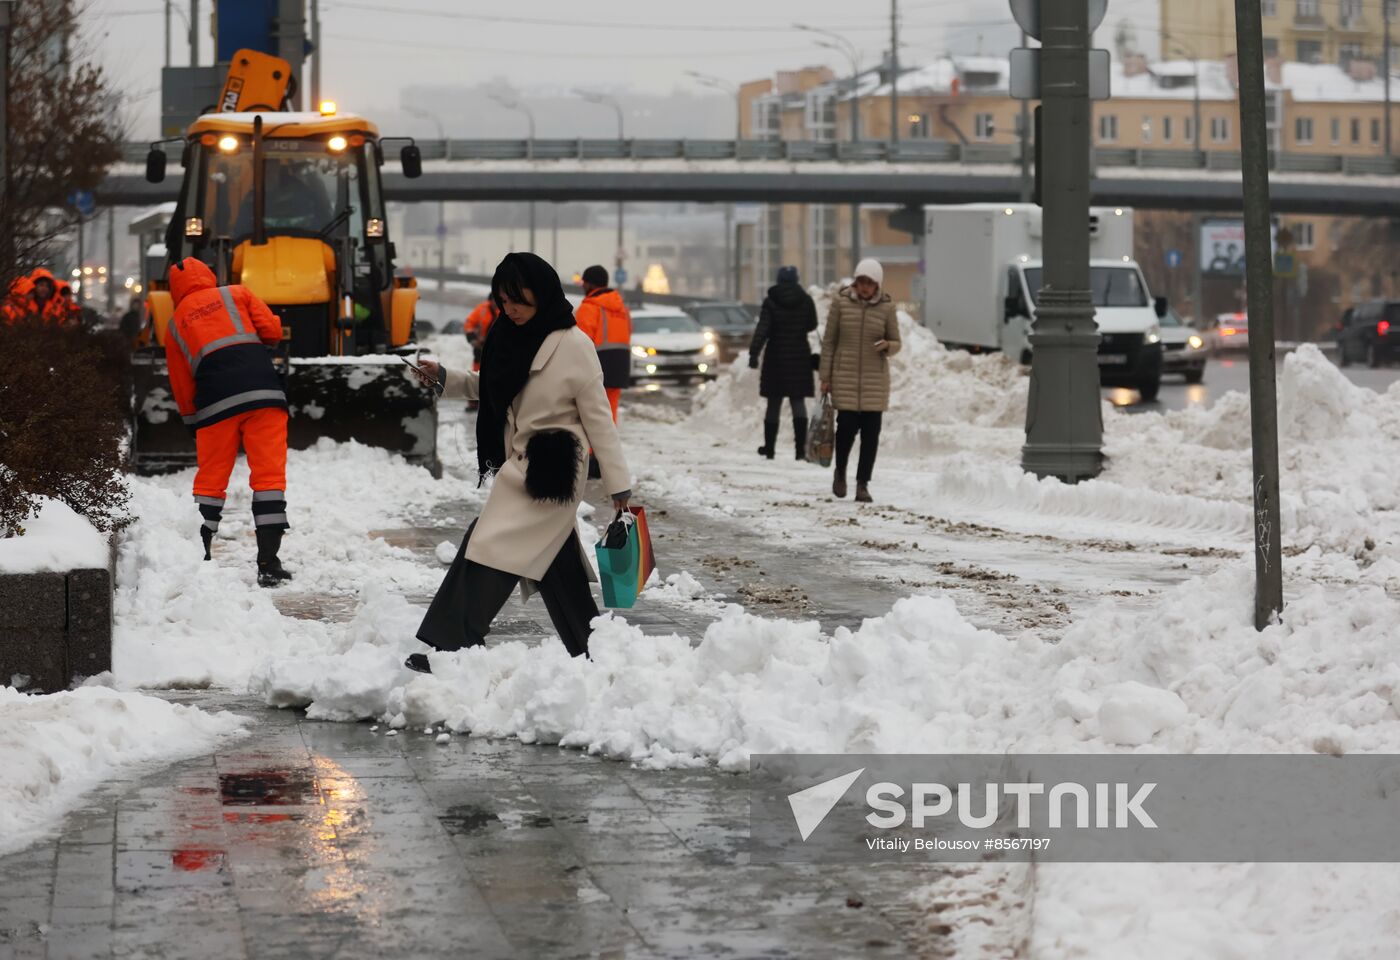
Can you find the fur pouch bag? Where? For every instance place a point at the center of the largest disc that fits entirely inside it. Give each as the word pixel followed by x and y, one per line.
pixel 552 459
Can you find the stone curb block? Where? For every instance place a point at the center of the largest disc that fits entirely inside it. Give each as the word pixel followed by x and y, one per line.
pixel 55 627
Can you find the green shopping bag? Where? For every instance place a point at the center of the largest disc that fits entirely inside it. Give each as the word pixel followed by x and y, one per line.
pixel 620 563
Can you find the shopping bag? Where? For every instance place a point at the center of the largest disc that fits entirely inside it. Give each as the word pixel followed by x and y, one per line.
pixel 625 559
pixel 821 438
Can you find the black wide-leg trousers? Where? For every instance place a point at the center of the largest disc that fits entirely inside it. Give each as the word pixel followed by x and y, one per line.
pixel 472 595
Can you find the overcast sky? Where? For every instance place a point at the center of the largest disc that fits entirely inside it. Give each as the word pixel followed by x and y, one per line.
pixel 375 48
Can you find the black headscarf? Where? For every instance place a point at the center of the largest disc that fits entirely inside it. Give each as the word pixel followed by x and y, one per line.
pixel 510 348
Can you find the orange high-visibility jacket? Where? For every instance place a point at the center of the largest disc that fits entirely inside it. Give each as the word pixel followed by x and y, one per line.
pixel 216 348
pixel 604 317
pixel 20 302
pixel 479 321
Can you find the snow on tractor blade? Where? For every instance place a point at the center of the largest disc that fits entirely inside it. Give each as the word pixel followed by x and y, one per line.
pixel 374 400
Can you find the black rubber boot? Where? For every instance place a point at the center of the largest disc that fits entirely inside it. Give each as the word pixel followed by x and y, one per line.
pixel 207 536
pixel 799 429
pixel 270 570
pixel 770 437
pixel 418 663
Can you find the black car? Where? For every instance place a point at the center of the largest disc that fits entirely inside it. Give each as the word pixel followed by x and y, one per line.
pixel 1371 332
pixel 731 323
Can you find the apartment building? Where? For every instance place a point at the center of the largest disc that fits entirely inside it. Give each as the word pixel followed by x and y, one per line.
pixel 1319 108
pixel 1306 31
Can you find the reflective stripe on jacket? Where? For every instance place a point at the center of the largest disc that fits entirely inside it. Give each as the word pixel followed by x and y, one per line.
pixel 216 348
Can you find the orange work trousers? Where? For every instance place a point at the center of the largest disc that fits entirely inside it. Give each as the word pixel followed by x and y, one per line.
pixel 614 394
pixel 263 435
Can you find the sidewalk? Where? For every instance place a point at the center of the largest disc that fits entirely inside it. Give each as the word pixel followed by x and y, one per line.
pixel 314 840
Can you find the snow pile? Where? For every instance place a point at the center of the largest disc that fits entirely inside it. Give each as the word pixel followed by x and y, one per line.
pixel 180 622
pixel 1189 675
pixel 54 748
pixel 57 539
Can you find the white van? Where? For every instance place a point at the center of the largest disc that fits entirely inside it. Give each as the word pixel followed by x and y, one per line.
pixel 983 272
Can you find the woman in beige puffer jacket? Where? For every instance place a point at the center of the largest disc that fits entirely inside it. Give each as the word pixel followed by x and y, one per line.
pixel 862 333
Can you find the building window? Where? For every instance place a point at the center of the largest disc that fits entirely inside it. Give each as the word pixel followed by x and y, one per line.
pixel 1303 235
pixel 1375 129
pixel 984 126
pixel 1303 130
pixel 1108 128
pixel 1269 8
pixel 1189 130
pixel 766 119
pixel 1348 52
pixel 1336 131
pixel 1219 129
pixel 1309 9
pixel 1146 129
pixel 1270 48
pixel 1309 51
pixel 1356 130
pixel 1350 11
pixel 920 126
pixel 821 243
pixel 1392 9
pixel 1166 129
pixel 819 115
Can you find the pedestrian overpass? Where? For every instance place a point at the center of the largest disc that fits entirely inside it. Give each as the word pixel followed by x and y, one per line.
pixel 827 172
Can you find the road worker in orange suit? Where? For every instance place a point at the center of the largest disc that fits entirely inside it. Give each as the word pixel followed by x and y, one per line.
pixel 65 307
pixel 20 303
pixel 604 317
pixel 478 324
pixel 46 302
pixel 229 392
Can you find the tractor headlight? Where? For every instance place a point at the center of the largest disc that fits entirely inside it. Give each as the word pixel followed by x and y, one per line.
pixel 228 143
pixel 194 227
pixel 374 228
pixel 337 143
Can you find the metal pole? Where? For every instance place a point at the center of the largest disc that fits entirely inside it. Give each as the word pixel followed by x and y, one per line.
pixel 621 139
pixel 442 247
pixel 530 155
pixel 1064 427
pixel 194 33
pixel 1263 401
pixel 894 71
pixel 315 54
pixel 855 138
pixel 1027 188
pixel 554 240
pixel 7 256
pixel 111 259
pixel 83 292
pixel 731 282
pixel 167 31
pixel 1197 307
pixel 1196 106
pixel 1385 59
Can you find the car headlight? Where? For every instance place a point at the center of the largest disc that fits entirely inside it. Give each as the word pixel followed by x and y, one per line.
pixel 709 336
pixel 1154 334
pixel 1195 342
pixel 709 350
pixel 639 352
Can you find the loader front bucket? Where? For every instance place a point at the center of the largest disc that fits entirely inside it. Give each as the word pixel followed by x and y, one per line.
pixel 374 400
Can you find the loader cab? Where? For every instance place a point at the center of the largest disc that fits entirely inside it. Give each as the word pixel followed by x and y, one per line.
pixel 316 247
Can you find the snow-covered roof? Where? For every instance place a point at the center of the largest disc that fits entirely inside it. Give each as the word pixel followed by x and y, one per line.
pixel 1324 83
pixel 1215 81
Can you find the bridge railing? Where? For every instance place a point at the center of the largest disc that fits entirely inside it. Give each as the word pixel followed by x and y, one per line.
pixel 859 152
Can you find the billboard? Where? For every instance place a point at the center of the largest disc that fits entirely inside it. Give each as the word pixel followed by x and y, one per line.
pixel 1221 247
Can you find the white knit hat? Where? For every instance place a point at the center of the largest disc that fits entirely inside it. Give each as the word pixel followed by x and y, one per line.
pixel 870 267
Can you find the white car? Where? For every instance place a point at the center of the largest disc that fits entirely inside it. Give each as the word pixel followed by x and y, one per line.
pixel 668 344
pixel 1184 349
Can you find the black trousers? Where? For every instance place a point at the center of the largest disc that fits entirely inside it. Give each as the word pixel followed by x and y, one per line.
pixel 775 409
pixel 867 424
pixel 472 594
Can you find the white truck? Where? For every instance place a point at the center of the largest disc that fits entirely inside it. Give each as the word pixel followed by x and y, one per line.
pixel 983 274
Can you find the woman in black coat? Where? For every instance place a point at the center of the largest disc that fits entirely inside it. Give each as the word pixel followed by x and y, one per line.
pixel 787 316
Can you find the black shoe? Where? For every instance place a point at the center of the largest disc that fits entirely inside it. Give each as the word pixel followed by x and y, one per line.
pixel 207 537
pixel 418 663
pixel 270 569
pixel 799 429
pixel 770 437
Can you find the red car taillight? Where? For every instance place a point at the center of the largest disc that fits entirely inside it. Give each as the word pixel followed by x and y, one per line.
pixel 1382 328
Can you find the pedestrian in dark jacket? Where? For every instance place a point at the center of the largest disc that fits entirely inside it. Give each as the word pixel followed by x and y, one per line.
pixel 787 316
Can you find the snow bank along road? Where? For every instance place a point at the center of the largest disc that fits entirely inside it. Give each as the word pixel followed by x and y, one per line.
pixel 1108 616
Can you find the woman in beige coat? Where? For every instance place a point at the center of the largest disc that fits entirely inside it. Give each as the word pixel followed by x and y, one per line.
pixel 862 333
pixel 542 406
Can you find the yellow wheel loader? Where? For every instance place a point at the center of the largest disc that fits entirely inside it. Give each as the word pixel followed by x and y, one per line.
pixel 289 205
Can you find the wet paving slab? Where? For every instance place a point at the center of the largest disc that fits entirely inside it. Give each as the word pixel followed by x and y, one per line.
pixel 313 839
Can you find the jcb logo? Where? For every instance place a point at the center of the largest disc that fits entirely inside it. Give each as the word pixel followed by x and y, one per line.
pixel 231 92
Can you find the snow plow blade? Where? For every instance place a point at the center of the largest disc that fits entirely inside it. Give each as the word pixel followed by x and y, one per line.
pixel 374 400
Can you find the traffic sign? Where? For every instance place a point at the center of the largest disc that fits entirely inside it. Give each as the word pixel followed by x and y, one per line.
pixel 1025 74
pixel 83 201
pixel 619 276
pixel 1173 259
pixel 1285 264
pixel 1027 15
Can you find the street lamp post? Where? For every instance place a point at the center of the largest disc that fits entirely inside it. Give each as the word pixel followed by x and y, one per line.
pixel 514 103
pixel 731 240
pixel 442 210
pixel 848 49
pixel 604 100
